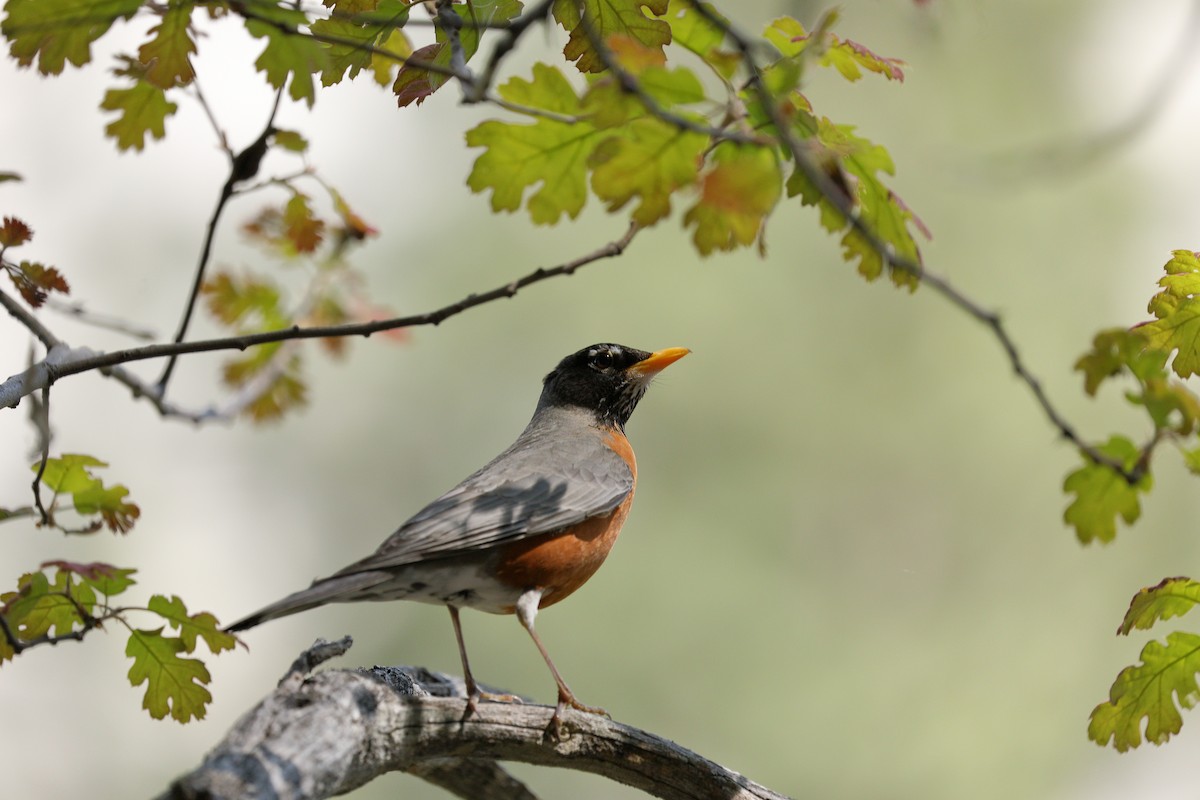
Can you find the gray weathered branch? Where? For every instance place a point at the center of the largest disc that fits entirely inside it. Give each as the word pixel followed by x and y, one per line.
pixel 326 734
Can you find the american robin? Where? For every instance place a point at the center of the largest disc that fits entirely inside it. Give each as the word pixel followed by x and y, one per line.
pixel 527 529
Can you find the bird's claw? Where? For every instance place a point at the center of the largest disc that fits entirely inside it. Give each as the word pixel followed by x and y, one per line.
pixel 478 694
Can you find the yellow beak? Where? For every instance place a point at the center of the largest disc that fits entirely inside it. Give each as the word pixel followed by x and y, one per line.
pixel 658 361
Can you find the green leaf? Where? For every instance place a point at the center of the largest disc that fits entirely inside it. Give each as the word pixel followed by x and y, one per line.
pixel 1191 459
pixel 548 152
pixel 880 209
pixel 70 474
pixel 167 55
pixel 40 607
pixel 650 161
pixel 691 29
pixel 249 302
pixel 1177 309
pixel 1102 494
pixel 607 102
pixel 736 194
pixel 59 31
pixel 788 36
pixel 142 109
pixel 292 141
pixel 350 35
pixel 174 685
pixel 392 51
pixel 288 52
pixel 1170 597
pixel 1170 404
pixel 1177 331
pixel 191 627
pixel 609 18
pixel 1154 691
pixel 285 392
pixel 1115 350
pixel 853 166
pixel 110 503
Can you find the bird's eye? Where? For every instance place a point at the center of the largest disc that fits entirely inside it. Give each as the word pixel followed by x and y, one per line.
pixel 604 359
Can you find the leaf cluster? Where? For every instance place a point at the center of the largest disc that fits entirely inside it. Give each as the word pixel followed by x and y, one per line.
pixel 1150 358
pixel 269 380
pixel 1153 360
pixel 33 280
pixel 65 600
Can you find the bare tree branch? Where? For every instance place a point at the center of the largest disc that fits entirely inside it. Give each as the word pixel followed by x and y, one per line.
pixel 40 375
pixel 340 729
pixel 62 361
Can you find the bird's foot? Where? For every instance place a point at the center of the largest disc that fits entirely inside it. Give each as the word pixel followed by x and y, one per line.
pixel 476 694
pixel 556 729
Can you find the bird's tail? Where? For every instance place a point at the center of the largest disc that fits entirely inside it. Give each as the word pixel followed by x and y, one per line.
pixel 335 589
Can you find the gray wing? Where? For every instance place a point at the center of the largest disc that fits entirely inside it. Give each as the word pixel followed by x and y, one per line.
pixel 542 483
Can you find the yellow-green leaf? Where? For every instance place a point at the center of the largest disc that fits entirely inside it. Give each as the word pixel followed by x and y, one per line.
pixel 59 31
pixel 174 685
pixel 608 18
pixel 650 160
pixel 142 109
pixel 40 607
pixel 1153 691
pixel 287 54
pixel 1102 495
pixel 191 627
pixel 737 193
pixel 548 153
pixel 167 55
pixel 1170 597
pixel 71 474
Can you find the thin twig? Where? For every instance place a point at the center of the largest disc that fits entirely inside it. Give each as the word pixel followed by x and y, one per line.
pixel 98 320
pixel 242 167
pixel 45 457
pixel 222 140
pixel 28 320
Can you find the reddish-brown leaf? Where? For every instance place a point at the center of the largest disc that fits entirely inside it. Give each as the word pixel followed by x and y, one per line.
pixel 14 232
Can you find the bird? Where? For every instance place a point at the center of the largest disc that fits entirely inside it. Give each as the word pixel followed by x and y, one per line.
pixel 527 529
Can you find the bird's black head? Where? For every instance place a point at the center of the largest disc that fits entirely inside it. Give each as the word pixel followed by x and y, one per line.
pixel 606 379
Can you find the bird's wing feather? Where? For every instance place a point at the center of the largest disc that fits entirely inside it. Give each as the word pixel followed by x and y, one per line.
pixel 543 483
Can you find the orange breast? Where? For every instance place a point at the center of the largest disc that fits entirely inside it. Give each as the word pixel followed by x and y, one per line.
pixel 562 562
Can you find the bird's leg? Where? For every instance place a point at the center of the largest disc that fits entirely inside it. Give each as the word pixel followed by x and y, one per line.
pixel 527 608
pixel 474 693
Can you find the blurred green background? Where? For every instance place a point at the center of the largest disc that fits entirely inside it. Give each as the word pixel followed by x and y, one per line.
pixel 846 573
